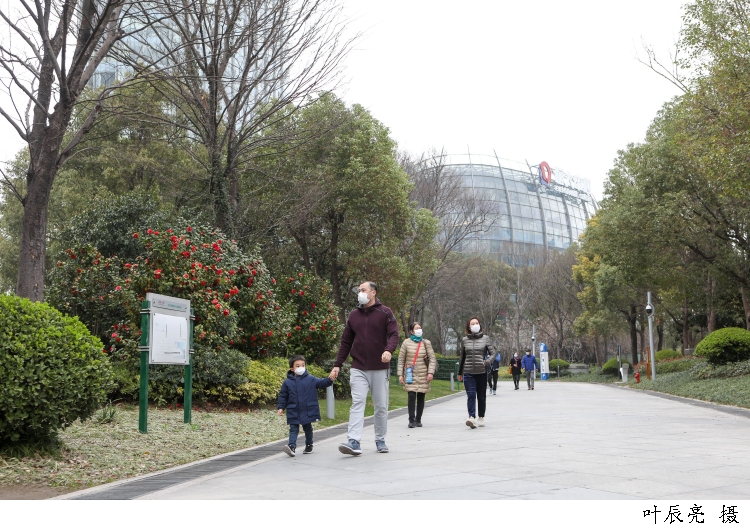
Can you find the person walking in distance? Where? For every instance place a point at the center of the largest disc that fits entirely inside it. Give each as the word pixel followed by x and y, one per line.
pixel 416 368
pixel 370 337
pixel 515 369
pixel 473 350
pixel 530 364
pixel 493 372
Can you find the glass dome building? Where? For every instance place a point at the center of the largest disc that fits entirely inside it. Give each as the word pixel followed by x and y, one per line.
pixel 532 208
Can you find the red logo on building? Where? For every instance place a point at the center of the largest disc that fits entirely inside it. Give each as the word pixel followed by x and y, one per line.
pixel 545 174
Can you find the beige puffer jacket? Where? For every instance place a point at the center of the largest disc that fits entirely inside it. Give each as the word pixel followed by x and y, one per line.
pixel 426 364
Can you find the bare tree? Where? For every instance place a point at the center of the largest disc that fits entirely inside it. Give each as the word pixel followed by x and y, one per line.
pixel 231 69
pixel 49 51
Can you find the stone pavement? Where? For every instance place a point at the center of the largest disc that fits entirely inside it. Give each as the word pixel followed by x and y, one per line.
pixel 560 441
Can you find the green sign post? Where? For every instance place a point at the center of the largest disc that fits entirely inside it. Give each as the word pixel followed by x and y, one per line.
pixel 167 326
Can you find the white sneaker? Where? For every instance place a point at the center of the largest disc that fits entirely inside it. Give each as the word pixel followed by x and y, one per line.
pixel 480 422
pixel 471 422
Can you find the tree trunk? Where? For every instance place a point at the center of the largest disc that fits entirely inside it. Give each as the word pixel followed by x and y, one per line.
pixel 660 333
pixel 335 220
pixel 685 327
pixel 711 306
pixel 597 353
pixel 34 230
pixel 633 334
pixel 746 306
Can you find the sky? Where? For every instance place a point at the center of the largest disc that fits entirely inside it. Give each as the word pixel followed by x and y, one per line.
pixel 532 81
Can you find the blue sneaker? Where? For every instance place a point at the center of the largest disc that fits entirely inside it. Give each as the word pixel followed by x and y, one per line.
pixel 350 448
pixel 382 448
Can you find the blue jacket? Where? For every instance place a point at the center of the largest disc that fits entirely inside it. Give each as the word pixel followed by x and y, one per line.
pixel 528 362
pixel 299 397
pixel 496 363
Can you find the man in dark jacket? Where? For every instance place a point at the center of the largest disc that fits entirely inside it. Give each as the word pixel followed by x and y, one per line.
pixel 299 397
pixel 370 337
pixel 531 365
pixel 515 369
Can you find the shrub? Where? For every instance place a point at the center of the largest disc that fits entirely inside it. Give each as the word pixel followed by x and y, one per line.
pixel 675 365
pixel 704 370
pixel 724 346
pixel 610 367
pixel 663 355
pixel 52 371
pixel 554 364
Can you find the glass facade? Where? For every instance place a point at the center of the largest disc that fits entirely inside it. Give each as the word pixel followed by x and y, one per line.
pixel 526 215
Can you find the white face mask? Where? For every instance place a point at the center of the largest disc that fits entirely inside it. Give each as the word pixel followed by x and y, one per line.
pixel 515 356
pixel 417 333
pixel 362 298
pixel 474 328
pixel 300 370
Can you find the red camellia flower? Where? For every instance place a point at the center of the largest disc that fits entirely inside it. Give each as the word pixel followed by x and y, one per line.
pixel 114 335
pixel 312 328
pixel 186 276
pixel 218 272
pixel 173 239
pixel 226 312
pixel 157 274
pixel 127 265
pixel 254 272
pixel 273 281
pixel 270 333
pixel 59 263
pixel 304 313
pixel 135 236
pixel 96 262
pixel 300 275
pixel 189 229
pixel 288 335
pixel 253 338
pixel 294 291
pixel 313 305
pixel 302 293
pixel 232 272
pixel 214 301
pixel 149 231
pixel 118 288
pixel 72 256
pixel 298 328
pixel 186 254
pixel 226 296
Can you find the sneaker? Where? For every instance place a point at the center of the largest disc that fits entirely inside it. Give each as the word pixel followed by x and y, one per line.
pixel 382 448
pixel 412 424
pixel 471 422
pixel 418 424
pixel 480 422
pixel 308 450
pixel 350 448
pixel 289 449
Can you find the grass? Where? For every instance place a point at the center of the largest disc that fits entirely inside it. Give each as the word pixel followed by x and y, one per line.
pixel 108 447
pixel 730 391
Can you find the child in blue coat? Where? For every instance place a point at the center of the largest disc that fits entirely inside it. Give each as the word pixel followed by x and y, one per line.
pixel 299 397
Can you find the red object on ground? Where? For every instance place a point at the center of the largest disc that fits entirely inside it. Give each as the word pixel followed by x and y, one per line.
pixel 638 377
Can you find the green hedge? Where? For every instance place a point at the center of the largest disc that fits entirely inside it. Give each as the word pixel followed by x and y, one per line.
pixel 52 371
pixel 663 355
pixel 725 346
pixel 611 367
pixel 555 363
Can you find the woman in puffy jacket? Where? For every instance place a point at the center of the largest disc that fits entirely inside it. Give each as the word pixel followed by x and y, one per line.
pixel 476 353
pixel 416 353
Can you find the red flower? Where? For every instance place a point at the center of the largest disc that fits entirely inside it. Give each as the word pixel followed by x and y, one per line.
pixel 226 312
pixel 157 274
pixel 253 338
pixel 214 301
pixel 294 291
pixel 59 263
pixel 114 335
pixel 313 305
pixel 149 231
pixel 298 328
pixel 186 254
pixel 218 272
pixel 232 272
pixel 189 229
pixel 96 262
pixel 304 313
pixel 187 242
pixel 270 333
pixel 302 293
pixel 254 272
pixel 312 328
pixel 288 335
pixel 118 288
pixel 127 265
pixel 135 236
pixel 173 239
pixel 226 296
pixel 300 275
pixel 72 256
pixel 203 283
pixel 273 280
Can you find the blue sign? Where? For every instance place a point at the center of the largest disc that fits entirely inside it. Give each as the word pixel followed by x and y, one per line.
pixel 542 347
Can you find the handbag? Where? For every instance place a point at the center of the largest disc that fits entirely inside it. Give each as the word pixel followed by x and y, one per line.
pixel 410 369
pixel 510 370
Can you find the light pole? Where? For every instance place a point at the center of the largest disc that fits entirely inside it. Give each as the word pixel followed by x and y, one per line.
pixel 533 347
pixel 650 315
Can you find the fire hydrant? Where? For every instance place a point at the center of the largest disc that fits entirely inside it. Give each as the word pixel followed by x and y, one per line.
pixel 638 377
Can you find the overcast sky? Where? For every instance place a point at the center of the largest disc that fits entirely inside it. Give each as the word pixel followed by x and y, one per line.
pixel 533 80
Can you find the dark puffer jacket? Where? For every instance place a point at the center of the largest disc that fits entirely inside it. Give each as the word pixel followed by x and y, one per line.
pixel 299 397
pixel 474 350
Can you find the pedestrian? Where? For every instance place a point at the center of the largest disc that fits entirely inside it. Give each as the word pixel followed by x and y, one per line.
pixel 492 372
pixel 515 369
pixel 473 350
pixel 370 337
pixel 530 364
pixel 416 368
pixel 299 397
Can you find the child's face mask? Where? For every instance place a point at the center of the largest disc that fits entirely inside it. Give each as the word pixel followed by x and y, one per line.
pixel 299 370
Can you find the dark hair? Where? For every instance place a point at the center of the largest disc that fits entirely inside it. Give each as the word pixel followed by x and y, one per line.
pixel 373 286
pixel 411 326
pixel 295 359
pixel 468 327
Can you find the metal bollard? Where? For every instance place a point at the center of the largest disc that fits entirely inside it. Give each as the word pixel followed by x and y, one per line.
pixel 453 387
pixel 330 405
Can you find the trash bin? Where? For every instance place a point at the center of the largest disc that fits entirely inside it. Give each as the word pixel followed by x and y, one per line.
pixel 624 372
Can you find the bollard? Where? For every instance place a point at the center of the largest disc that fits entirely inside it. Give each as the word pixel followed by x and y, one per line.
pixel 624 372
pixel 453 386
pixel 330 405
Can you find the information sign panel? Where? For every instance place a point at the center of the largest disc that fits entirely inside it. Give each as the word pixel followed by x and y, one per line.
pixel 544 361
pixel 169 333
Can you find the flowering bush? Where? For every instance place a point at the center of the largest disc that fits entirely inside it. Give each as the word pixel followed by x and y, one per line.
pixel 316 329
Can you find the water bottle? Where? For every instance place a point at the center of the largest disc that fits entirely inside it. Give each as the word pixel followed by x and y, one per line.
pixel 409 374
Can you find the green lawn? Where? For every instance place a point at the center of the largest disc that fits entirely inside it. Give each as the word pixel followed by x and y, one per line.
pixel 730 391
pixel 398 399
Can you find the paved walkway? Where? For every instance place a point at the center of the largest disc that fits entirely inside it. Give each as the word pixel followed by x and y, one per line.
pixel 560 441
